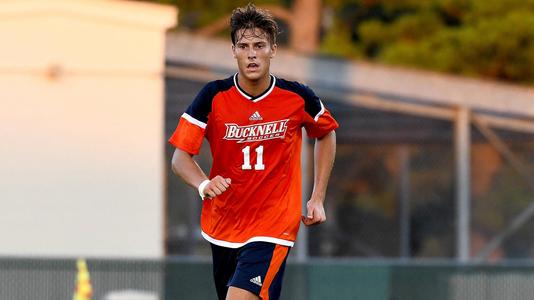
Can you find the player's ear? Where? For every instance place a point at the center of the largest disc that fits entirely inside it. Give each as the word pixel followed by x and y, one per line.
pixel 273 50
pixel 233 50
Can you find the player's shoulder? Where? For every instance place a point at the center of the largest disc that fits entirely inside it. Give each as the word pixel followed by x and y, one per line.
pixel 296 87
pixel 201 105
pixel 312 103
pixel 220 85
pixel 290 85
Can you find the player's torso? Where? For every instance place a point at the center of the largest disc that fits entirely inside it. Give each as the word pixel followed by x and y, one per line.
pixel 254 139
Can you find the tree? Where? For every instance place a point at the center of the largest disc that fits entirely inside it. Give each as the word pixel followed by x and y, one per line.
pixel 492 39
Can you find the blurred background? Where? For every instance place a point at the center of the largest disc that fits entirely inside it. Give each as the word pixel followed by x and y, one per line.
pixel 431 195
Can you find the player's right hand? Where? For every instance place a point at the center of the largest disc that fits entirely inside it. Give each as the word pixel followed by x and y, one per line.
pixel 217 186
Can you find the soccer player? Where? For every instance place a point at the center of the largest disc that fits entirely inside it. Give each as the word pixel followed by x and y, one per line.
pixel 252 120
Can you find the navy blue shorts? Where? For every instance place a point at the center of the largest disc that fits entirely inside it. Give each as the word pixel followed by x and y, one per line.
pixel 257 267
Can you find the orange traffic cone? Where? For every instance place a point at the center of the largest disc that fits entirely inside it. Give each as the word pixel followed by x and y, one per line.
pixel 84 290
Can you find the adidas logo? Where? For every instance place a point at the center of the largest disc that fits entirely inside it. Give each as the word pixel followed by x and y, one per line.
pixel 255 116
pixel 256 280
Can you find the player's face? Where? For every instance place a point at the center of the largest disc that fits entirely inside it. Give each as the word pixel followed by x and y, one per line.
pixel 253 53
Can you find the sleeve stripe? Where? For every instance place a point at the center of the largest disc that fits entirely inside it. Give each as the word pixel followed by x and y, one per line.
pixel 194 121
pixel 320 112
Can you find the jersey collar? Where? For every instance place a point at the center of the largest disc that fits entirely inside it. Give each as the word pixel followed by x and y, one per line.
pixel 260 96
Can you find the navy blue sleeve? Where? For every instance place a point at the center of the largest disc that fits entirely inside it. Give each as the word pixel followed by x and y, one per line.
pixel 201 106
pixel 312 104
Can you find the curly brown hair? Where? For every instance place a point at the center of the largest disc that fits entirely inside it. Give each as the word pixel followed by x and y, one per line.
pixel 251 17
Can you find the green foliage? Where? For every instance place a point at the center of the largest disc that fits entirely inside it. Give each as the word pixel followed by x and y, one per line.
pixel 195 14
pixel 491 38
pixel 198 13
pixel 339 44
pixel 495 48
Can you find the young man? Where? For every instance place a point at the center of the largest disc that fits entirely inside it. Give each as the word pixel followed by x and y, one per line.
pixel 252 199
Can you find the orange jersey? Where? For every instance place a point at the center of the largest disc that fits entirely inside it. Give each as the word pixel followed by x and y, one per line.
pixel 256 142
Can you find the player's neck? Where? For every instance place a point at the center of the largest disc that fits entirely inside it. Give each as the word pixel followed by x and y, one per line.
pixel 254 87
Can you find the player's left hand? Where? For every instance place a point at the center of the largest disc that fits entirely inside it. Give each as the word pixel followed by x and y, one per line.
pixel 315 213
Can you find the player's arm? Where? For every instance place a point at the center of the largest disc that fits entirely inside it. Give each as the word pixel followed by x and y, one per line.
pixel 324 154
pixel 187 140
pixel 187 168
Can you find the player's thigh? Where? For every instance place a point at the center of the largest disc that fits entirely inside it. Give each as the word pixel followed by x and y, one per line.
pixel 260 268
pixel 224 265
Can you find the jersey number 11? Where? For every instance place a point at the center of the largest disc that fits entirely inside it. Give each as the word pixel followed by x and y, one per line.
pixel 259 159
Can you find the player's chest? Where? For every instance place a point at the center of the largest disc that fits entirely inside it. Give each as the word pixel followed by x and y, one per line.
pixel 243 120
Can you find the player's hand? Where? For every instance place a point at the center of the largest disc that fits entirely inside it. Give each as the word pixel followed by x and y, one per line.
pixel 315 213
pixel 216 187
